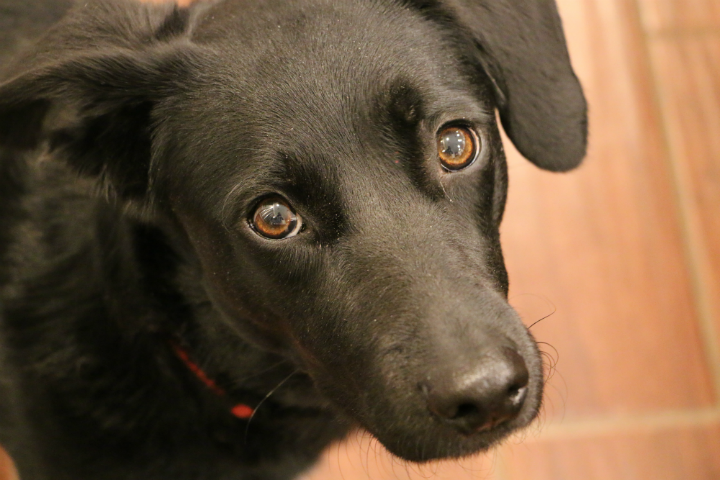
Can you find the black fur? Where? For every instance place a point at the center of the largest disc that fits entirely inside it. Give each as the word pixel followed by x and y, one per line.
pixel 135 142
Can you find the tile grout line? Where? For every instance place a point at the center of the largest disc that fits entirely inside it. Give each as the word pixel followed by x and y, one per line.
pixel 501 471
pixel 675 32
pixel 626 423
pixel 692 245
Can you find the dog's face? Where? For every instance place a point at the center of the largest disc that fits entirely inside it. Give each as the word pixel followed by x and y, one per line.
pixel 338 172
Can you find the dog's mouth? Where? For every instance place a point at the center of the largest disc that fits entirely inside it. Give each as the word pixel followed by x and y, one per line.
pixel 429 436
pixel 428 443
pixel 450 413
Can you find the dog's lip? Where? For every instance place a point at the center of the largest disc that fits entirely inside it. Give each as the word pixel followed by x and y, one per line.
pixel 462 447
pixel 459 444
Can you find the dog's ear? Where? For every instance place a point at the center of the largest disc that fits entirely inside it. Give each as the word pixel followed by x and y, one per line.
pixel 89 89
pixel 521 45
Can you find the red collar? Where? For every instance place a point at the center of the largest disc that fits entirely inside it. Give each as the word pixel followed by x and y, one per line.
pixel 240 410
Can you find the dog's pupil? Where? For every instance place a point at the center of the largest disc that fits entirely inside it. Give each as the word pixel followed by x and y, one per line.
pixel 276 215
pixel 453 143
pixel 275 219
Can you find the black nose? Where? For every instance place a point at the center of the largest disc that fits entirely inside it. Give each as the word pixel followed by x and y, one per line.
pixel 485 397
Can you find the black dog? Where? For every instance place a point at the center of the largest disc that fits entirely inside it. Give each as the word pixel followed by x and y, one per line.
pixel 232 232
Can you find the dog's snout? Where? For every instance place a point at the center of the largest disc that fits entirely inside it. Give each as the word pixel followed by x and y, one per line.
pixel 492 394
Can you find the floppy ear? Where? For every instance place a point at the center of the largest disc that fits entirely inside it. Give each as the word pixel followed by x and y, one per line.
pixel 91 102
pixel 521 45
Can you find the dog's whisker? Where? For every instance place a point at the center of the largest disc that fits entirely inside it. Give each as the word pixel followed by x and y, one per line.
pixel 257 407
pixel 238 382
pixel 550 371
pixel 227 200
pixel 445 192
pixel 557 354
pixel 549 366
pixel 337 458
pixel 549 358
pixel 543 318
pixel 368 446
pixel 552 359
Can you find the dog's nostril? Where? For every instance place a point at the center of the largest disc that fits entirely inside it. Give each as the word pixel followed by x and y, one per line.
pixel 466 409
pixel 484 399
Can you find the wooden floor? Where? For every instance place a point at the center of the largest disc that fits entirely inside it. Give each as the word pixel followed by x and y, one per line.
pixel 626 252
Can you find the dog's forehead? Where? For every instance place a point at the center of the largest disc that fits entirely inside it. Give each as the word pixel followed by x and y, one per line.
pixel 316 55
pixel 314 83
pixel 292 25
pixel 321 69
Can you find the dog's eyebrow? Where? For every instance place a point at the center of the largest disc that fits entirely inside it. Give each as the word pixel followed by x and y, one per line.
pixel 409 116
pixel 403 102
pixel 308 186
pixel 314 187
pixel 399 111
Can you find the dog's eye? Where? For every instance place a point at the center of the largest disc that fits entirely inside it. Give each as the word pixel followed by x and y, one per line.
pixel 457 147
pixel 275 219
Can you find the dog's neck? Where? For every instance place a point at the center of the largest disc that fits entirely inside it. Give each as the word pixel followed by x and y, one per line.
pixel 240 410
pixel 108 293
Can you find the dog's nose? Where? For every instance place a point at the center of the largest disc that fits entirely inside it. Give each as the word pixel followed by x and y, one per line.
pixel 492 394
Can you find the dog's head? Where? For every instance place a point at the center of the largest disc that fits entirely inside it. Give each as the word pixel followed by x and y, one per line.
pixel 337 169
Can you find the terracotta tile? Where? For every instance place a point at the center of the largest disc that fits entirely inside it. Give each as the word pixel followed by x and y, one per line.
pixel 664 15
pixel 7 470
pixel 363 458
pixel 603 243
pixel 681 453
pixel 688 74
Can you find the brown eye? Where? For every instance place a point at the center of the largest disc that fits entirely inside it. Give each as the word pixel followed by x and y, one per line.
pixel 457 147
pixel 275 219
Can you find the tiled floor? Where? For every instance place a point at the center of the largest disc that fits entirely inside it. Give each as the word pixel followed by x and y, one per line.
pixel 627 251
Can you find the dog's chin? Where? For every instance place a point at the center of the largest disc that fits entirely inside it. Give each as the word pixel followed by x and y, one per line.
pixel 430 439
pixel 437 445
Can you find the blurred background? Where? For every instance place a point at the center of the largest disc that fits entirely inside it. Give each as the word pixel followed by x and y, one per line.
pixel 623 255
